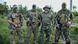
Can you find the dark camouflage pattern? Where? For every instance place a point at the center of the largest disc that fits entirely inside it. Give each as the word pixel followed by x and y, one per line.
pixel 62 27
pixel 14 17
pixel 32 23
pixel 46 21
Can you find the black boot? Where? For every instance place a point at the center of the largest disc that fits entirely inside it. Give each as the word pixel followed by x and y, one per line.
pixel 68 42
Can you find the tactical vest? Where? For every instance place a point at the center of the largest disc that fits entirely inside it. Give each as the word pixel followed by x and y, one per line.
pixel 46 19
pixel 16 19
pixel 34 18
pixel 64 17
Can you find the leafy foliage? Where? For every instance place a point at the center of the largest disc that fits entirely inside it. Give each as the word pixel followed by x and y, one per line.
pixel 75 13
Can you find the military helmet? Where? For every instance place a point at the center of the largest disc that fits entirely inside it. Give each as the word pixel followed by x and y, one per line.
pixel 33 6
pixel 46 7
pixel 14 7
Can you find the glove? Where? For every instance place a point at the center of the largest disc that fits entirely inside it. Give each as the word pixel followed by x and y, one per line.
pixel 69 23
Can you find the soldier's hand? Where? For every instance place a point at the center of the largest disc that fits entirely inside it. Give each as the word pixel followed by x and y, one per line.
pixel 57 25
pixel 69 23
pixel 15 25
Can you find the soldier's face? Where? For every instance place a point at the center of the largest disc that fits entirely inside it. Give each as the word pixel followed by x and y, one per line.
pixel 63 6
pixel 33 7
pixel 14 10
pixel 46 10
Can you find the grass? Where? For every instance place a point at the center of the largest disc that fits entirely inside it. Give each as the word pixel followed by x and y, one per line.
pixel 76 19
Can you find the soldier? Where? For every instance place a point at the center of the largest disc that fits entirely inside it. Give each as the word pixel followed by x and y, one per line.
pixel 63 18
pixel 46 21
pixel 32 23
pixel 15 24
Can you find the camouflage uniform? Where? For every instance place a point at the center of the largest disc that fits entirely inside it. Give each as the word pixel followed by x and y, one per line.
pixel 63 17
pixel 17 19
pixel 32 23
pixel 46 20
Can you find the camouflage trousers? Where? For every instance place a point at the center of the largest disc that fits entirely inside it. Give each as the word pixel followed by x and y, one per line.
pixel 62 31
pixel 45 30
pixel 32 30
pixel 13 33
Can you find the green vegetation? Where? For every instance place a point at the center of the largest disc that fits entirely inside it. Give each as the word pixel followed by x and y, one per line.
pixel 75 13
pixel 4 30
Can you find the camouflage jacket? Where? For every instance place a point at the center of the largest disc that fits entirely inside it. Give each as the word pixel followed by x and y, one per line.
pixel 46 18
pixel 16 18
pixel 32 18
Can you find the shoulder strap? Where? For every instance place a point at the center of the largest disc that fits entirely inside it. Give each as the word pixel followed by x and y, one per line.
pixel 11 18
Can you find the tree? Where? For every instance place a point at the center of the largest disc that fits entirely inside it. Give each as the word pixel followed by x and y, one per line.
pixel 39 10
pixel 20 9
pixel 5 8
pixel 74 8
pixel 1 9
pixel 74 11
pixel 24 10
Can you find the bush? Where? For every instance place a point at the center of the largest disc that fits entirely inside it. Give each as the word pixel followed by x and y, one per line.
pixel 1 39
pixel 74 30
pixel 75 13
